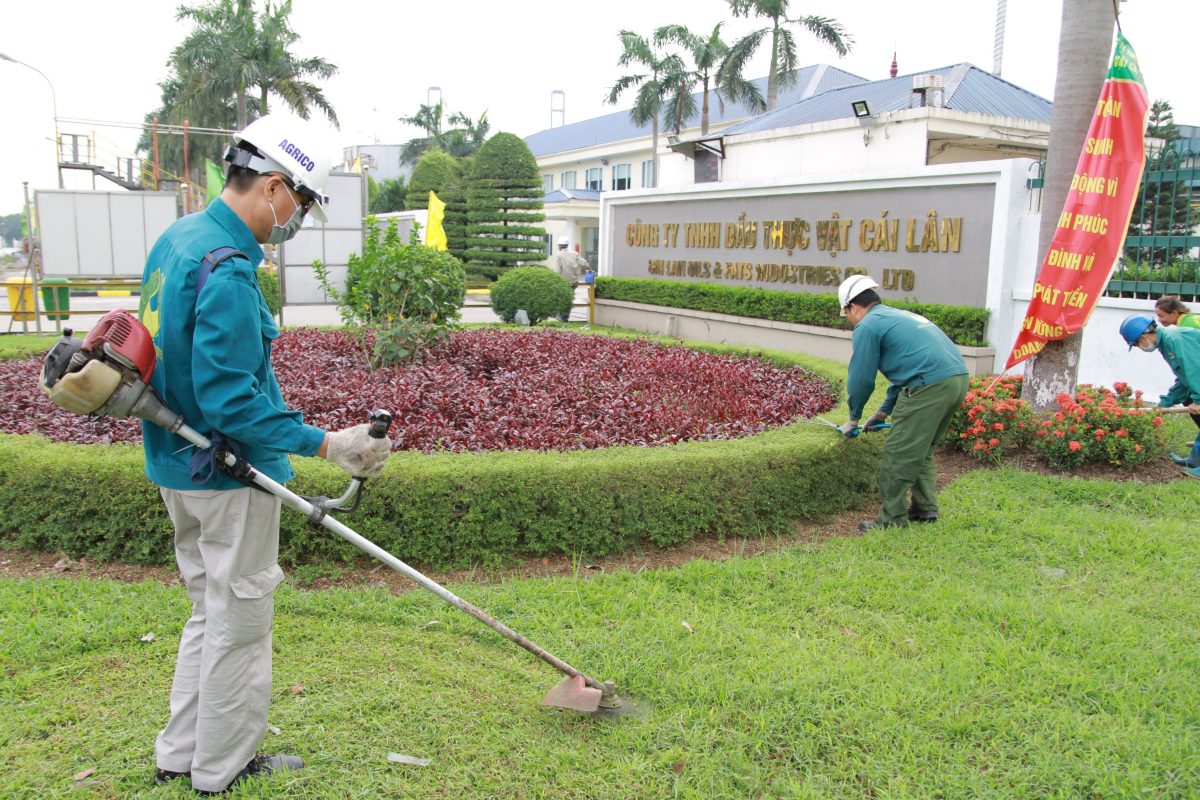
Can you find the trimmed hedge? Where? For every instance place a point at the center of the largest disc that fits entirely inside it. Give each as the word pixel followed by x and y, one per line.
pixel 458 509
pixel 965 325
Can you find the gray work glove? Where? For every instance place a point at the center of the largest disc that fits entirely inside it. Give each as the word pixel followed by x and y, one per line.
pixel 850 428
pixel 878 418
pixel 356 452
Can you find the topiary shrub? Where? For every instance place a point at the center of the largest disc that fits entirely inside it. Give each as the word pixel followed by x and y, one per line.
pixel 543 294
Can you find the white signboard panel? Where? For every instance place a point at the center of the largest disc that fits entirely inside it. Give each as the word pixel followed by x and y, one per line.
pixel 331 242
pixel 100 234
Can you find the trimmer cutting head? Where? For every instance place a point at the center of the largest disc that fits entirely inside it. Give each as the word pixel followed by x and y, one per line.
pixel 574 694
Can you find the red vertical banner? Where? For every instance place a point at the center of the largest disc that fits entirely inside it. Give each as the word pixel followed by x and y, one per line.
pixel 1095 217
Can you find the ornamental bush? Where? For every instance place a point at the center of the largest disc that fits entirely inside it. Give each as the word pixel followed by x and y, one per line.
pixel 1095 425
pixel 993 420
pixel 399 297
pixel 540 292
pixel 1100 425
pixel 965 325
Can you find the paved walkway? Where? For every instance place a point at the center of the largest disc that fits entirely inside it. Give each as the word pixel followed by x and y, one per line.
pixel 475 309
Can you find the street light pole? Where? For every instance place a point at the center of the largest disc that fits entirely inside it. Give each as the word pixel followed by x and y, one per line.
pixel 54 104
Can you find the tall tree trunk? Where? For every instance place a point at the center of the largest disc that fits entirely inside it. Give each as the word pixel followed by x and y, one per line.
pixel 1084 48
pixel 704 110
pixel 772 73
pixel 654 146
pixel 262 108
pixel 241 109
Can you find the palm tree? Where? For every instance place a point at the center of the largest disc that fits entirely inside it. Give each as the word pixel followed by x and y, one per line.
pixel 706 54
pixel 660 81
pixel 466 139
pixel 783 45
pixel 231 51
pixel 428 119
pixel 285 75
pixel 1084 43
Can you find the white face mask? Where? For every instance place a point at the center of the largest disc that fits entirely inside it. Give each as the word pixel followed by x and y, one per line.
pixel 282 233
pixel 1148 348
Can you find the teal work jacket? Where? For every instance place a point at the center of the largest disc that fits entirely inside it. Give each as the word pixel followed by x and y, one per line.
pixel 908 349
pixel 214 354
pixel 1180 347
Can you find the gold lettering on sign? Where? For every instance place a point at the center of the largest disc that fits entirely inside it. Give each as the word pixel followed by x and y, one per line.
pixel 639 234
pixel 701 234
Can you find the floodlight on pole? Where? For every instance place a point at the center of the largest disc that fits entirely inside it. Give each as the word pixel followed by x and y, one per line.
pixel 429 93
pixel 53 103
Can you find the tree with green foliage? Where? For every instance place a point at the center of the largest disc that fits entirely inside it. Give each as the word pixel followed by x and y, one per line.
pixel 466 139
pixel 463 140
pixel 706 53
pixel 390 196
pixel 504 202
pixel 784 67
pixel 435 170
pixel 11 227
pixel 455 222
pixel 230 52
pixel 664 74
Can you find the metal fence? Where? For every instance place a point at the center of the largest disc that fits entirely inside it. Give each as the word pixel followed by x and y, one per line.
pixel 1162 249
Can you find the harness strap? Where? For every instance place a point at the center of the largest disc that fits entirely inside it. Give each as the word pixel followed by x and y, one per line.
pixel 213 259
pixel 205 463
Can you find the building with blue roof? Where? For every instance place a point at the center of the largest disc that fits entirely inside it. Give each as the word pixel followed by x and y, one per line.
pixel 829 121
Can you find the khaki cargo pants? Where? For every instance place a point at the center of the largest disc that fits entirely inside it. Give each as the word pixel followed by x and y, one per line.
pixel 226 545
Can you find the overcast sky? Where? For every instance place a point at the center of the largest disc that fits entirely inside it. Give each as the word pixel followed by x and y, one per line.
pixel 105 60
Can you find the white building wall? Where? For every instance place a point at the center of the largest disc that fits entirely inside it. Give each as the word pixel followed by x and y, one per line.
pixel 840 149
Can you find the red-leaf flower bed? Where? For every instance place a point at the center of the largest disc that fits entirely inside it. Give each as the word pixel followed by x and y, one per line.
pixel 491 390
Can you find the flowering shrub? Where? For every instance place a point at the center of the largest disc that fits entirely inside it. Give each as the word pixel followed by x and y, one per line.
pixel 1094 425
pixel 993 420
pixel 492 390
pixel 1100 425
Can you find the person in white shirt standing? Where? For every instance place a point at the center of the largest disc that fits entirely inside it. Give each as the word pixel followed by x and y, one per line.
pixel 568 265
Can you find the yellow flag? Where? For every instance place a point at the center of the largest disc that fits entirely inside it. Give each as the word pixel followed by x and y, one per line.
pixel 357 164
pixel 435 234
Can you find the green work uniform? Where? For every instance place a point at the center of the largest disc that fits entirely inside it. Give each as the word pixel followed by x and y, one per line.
pixel 1188 321
pixel 1180 348
pixel 928 382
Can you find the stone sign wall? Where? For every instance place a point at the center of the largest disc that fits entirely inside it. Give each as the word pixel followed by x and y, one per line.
pixel 928 243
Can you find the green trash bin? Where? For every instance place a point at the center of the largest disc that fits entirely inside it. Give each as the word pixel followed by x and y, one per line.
pixel 56 298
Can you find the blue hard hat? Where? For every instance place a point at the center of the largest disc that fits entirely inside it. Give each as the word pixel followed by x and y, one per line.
pixel 1134 326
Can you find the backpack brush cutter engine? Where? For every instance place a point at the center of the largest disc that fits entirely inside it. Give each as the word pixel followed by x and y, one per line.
pixel 108 374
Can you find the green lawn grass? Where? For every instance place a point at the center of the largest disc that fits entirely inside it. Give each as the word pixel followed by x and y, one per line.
pixel 20 345
pixel 1043 640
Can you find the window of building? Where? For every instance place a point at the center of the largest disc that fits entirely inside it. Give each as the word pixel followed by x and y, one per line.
pixel 622 177
pixel 647 174
pixel 567 180
pixel 594 179
pixel 547 183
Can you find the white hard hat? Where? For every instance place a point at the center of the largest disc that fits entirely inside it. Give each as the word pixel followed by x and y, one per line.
pixel 563 241
pixel 852 287
pixel 293 147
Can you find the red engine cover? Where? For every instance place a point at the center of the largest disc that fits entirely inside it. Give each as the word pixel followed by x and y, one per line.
pixel 123 337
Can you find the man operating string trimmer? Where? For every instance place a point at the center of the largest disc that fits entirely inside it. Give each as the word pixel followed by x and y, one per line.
pixel 928 382
pixel 212 334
